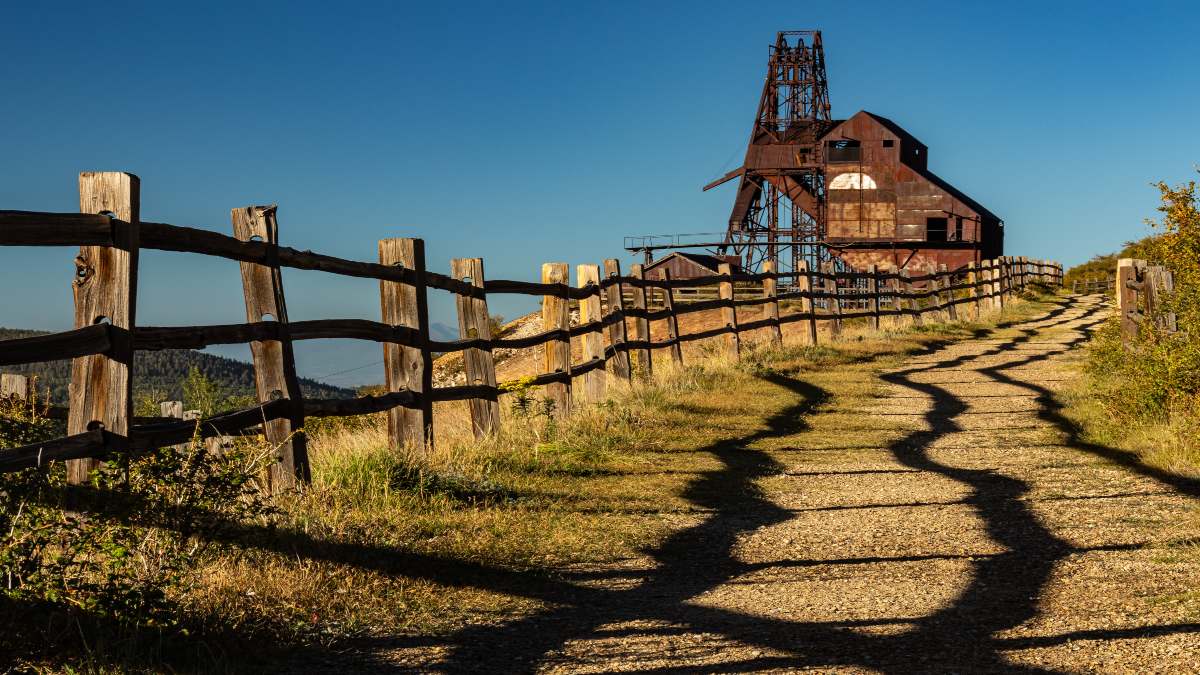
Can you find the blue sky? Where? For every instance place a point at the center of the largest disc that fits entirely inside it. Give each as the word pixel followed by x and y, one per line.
pixel 529 132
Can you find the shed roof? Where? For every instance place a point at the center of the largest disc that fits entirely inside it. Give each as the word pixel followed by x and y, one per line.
pixel 710 262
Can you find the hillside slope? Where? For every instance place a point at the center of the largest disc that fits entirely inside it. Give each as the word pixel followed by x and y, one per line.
pixel 163 372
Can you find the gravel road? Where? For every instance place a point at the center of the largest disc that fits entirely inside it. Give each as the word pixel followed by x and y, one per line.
pixel 957 525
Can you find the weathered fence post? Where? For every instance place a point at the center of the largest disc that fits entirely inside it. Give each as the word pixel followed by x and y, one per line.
pixel 593 340
pixel 1159 280
pixel 407 368
pixel 993 285
pixel 834 303
pixel 873 289
pixel 475 323
pixel 973 282
pixel 771 307
pixel 804 287
pixel 641 325
pixel 672 318
pixel 1000 277
pixel 105 290
pixel 729 310
pixel 948 294
pixel 556 315
pixel 174 409
pixel 1127 297
pixel 274 363
pixel 936 307
pixel 897 301
pixel 618 365
pixel 911 305
pixel 14 386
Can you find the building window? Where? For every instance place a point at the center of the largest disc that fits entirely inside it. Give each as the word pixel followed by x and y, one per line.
pixel 846 150
pixel 958 228
pixel 853 181
pixel 935 229
pixel 887 143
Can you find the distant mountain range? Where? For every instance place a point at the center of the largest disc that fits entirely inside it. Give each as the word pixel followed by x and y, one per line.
pixel 162 372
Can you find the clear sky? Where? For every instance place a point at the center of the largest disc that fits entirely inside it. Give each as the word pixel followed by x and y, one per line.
pixel 527 133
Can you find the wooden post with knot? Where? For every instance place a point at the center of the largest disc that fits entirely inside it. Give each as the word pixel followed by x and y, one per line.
pixel 407 367
pixel 105 290
pixel 274 362
pixel 474 323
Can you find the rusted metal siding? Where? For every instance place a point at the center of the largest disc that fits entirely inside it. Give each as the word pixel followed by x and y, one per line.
pixel 888 196
pixel 901 200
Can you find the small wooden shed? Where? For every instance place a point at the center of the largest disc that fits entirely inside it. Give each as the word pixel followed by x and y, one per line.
pixel 684 265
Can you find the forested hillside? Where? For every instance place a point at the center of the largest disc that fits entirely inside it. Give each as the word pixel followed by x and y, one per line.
pixel 161 374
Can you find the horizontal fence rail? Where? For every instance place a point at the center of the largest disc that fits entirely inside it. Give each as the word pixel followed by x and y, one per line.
pixel 609 302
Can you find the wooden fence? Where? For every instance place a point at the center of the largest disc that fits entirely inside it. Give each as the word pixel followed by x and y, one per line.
pixel 1140 289
pixel 1090 285
pixel 110 234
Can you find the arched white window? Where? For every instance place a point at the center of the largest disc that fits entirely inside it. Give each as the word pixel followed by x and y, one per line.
pixel 853 181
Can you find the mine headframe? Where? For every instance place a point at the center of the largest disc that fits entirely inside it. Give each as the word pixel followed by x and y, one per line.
pixel 779 210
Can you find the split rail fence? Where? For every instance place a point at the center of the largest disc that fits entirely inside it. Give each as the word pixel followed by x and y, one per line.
pixel 1092 285
pixel 615 334
pixel 1140 289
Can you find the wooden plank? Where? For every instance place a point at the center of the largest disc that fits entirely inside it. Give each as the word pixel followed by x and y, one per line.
pixel 834 304
pixel 29 228
pixel 474 322
pixel 618 365
pixel 105 292
pixel 274 362
pixel 897 301
pixel 672 319
pixel 729 312
pixel 804 286
pixel 556 355
pixel 873 289
pixel 643 362
pixel 14 386
pixel 593 341
pixel 73 448
pixel 912 304
pixel 96 339
pixel 951 309
pixel 771 308
pixel 408 368
pixel 973 282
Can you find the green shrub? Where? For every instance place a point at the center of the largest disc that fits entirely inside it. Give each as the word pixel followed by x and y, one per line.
pixel 1157 380
pixel 104 563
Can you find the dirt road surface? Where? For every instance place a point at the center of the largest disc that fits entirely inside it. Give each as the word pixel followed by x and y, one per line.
pixel 955 523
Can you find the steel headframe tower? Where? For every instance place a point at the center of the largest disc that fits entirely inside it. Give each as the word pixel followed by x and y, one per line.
pixel 779 211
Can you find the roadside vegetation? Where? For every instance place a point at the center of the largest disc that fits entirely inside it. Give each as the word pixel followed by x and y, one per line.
pixel 1146 399
pixel 179 561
